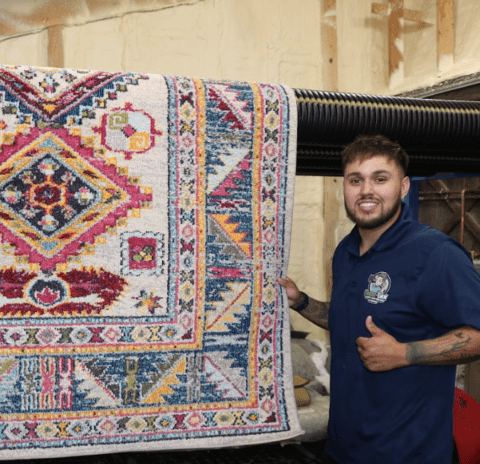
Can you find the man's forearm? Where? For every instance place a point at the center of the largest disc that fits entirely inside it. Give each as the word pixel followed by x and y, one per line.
pixel 316 312
pixel 459 346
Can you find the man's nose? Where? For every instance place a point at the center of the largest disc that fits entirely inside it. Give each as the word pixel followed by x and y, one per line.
pixel 367 188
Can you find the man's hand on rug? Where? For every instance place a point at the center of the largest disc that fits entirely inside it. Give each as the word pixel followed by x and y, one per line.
pixel 293 293
pixel 381 352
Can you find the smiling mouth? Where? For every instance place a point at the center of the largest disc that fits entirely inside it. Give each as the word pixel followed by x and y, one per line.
pixel 367 205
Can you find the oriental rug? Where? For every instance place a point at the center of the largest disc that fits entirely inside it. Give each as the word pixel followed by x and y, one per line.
pixel 144 221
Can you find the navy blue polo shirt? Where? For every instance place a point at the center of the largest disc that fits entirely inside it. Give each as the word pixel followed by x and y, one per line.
pixel 417 284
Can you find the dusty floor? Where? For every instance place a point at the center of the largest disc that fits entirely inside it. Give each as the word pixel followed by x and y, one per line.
pixel 305 453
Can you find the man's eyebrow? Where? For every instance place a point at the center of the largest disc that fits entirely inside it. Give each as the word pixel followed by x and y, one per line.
pixel 375 173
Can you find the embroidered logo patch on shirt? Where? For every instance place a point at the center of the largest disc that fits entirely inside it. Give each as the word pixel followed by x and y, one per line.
pixel 378 287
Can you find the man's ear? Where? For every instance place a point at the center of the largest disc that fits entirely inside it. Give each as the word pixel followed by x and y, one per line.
pixel 405 186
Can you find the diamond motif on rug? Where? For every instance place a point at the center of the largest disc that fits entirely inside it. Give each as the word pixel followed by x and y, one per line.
pixel 54 200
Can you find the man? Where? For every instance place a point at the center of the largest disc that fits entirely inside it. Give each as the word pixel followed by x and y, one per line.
pixel 393 351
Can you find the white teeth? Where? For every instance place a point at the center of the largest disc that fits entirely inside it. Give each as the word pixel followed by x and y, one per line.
pixel 367 204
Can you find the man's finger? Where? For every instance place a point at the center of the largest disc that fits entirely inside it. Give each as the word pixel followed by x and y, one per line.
pixel 362 341
pixel 286 282
pixel 371 327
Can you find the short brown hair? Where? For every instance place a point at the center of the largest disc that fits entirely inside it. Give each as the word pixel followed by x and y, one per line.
pixel 367 146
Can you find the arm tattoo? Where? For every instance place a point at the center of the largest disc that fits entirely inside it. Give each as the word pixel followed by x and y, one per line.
pixel 451 349
pixel 317 312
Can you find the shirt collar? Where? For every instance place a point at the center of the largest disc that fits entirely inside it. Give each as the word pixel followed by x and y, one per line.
pixel 388 239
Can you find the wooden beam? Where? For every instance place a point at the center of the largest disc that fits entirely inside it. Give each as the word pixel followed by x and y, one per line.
pixel 380 9
pixel 55 47
pixel 395 38
pixel 445 34
pixel 331 184
pixel 331 215
pixel 411 15
pixel 396 15
pixel 408 15
pixel 329 44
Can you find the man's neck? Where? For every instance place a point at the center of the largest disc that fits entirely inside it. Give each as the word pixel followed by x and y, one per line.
pixel 368 239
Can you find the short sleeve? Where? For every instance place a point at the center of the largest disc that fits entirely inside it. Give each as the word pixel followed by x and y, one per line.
pixel 449 287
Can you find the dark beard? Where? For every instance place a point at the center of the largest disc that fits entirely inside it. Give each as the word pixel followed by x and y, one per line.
pixel 370 224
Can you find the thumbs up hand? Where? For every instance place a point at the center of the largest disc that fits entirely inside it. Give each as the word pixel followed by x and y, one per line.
pixel 381 352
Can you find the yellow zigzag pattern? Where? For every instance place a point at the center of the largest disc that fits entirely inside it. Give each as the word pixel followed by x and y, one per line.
pixel 234 301
pixel 230 228
pixel 156 396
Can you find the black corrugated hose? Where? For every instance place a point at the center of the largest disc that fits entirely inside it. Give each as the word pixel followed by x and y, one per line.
pixel 439 135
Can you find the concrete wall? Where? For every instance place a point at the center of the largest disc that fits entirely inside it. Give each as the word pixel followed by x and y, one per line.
pixel 258 40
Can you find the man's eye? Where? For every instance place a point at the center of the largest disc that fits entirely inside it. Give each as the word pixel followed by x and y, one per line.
pixel 381 179
pixel 355 181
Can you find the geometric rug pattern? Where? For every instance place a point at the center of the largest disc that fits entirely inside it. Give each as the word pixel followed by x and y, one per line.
pixel 144 221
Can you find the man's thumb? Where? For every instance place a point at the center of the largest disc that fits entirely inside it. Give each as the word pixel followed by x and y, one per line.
pixel 371 327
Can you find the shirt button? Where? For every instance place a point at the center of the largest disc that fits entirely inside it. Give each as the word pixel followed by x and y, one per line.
pixel 354 284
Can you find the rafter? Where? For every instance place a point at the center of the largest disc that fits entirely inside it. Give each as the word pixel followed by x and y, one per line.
pixel 445 34
pixel 396 14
